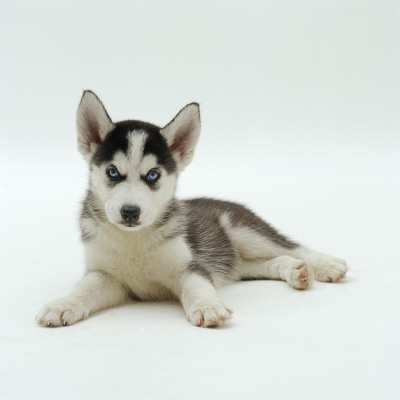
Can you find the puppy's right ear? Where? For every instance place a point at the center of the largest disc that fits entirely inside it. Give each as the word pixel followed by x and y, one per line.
pixel 93 124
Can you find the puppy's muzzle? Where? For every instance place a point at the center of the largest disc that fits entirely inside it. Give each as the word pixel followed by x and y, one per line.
pixel 130 215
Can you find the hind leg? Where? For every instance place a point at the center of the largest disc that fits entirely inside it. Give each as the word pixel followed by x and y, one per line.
pixel 264 258
pixel 292 270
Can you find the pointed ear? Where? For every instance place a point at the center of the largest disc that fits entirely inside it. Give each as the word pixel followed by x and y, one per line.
pixel 182 134
pixel 93 124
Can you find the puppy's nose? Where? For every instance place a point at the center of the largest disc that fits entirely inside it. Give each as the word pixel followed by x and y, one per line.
pixel 130 213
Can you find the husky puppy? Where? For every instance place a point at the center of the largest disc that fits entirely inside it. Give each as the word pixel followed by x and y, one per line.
pixel 142 243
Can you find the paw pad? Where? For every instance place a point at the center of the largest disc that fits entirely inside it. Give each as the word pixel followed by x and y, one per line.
pixel 301 276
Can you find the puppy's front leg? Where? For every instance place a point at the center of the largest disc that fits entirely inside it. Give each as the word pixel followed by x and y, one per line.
pixel 93 292
pixel 201 303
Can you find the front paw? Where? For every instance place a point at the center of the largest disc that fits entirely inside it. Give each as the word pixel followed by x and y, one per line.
pixel 208 314
pixel 61 312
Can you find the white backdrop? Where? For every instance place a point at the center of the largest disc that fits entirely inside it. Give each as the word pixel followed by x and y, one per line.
pixel 299 104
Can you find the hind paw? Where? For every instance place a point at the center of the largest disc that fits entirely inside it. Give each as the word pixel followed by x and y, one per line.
pixel 327 268
pixel 331 272
pixel 300 276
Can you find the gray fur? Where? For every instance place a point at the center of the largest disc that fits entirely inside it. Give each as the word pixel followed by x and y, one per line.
pixel 212 249
pixel 241 216
pixel 92 211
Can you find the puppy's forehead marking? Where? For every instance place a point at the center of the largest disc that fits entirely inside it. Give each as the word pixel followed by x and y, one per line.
pixel 134 160
pixel 137 141
pixel 149 161
pixel 121 161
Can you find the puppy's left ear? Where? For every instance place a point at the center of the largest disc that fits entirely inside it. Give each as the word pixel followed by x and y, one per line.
pixel 182 134
pixel 93 123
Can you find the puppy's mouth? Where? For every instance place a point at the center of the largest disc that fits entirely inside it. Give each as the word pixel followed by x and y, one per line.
pixel 130 224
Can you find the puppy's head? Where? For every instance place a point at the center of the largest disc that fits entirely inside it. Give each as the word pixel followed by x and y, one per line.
pixel 134 165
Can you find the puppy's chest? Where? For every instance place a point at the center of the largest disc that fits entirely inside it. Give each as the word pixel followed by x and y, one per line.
pixel 149 269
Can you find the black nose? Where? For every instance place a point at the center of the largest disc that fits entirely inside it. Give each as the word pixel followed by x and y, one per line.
pixel 130 213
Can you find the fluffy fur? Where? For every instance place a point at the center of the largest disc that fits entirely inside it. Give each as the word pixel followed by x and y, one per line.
pixel 142 243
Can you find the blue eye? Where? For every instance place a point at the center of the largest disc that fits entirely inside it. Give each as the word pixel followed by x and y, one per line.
pixel 113 173
pixel 152 176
